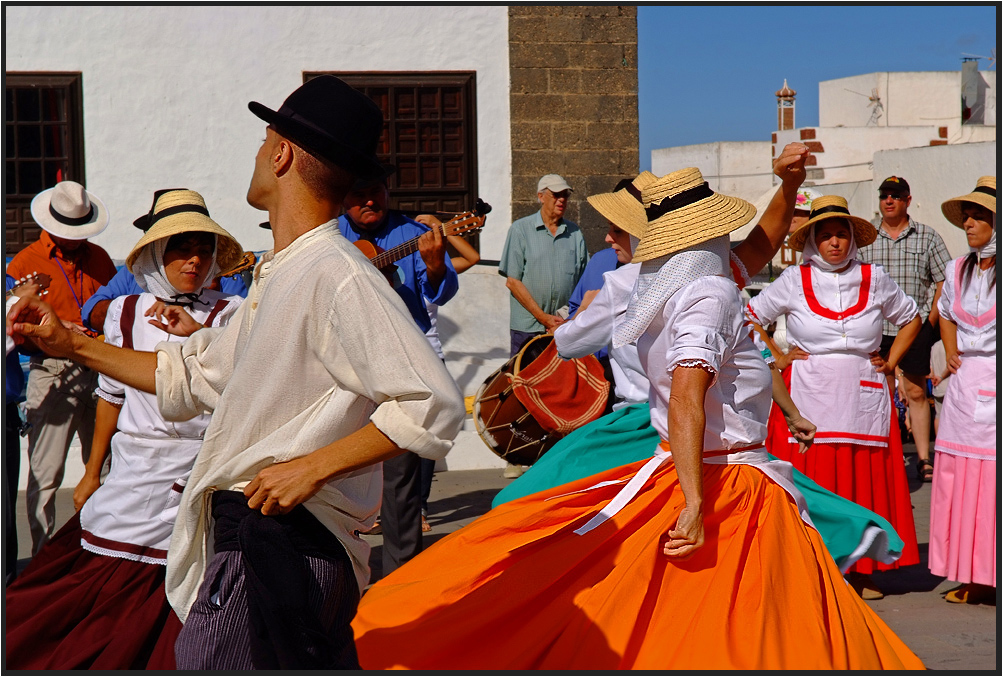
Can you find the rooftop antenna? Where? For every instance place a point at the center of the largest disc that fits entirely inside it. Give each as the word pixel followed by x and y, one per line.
pixel 874 102
pixel 974 57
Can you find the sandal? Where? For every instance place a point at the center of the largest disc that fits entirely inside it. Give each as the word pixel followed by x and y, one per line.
pixel 425 526
pixel 924 470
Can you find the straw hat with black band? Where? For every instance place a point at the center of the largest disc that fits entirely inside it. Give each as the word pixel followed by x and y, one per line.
pixel 983 195
pixel 686 239
pixel 70 212
pixel 184 211
pixel 833 207
pixel 624 207
pixel 683 211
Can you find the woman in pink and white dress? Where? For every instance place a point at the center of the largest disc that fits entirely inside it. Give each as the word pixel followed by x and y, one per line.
pixel 963 504
pixel 835 306
pixel 93 597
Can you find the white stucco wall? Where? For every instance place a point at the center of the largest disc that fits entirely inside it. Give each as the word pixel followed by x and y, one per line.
pixel 909 99
pixel 847 151
pixel 740 168
pixel 166 91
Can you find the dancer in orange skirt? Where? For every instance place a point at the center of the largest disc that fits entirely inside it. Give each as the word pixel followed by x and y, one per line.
pixel 702 557
pixel 835 306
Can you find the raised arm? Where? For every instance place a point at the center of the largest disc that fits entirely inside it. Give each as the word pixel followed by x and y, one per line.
pixel 765 240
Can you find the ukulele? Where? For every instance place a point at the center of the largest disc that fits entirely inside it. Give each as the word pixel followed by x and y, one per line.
pixel 467 222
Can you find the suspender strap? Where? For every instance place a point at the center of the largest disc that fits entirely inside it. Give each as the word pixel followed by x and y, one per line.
pixel 128 319
pixel 220 305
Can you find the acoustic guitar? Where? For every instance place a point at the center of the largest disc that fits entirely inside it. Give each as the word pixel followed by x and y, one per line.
pixel 467 222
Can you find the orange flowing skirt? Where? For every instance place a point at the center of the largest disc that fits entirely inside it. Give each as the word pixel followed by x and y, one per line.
pixel 518 590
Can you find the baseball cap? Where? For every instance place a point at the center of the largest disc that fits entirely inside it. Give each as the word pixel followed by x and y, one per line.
pixel 895 185
pixel 554 182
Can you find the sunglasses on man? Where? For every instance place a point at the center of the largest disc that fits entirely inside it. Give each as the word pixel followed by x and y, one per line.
pixel 885 196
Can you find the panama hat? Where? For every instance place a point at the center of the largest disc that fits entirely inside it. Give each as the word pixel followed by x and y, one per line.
pixel 683 211
pixel 68 211
pixel 184 211
pixel 623 207
pixel 332 120
pixel 833 207
pixel 984 194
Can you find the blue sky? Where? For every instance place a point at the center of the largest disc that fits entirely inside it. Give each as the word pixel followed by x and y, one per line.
pixel 709 73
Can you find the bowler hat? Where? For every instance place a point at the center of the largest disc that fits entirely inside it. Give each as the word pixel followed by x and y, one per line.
pixel 331 120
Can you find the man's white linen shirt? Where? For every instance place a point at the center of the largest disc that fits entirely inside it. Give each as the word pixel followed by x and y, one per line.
pixel 321 347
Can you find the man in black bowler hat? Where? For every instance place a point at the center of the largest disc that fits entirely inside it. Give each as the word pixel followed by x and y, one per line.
pixel 320 377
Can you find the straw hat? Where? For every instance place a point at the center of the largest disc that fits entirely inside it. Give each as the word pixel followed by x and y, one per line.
pixel 683 211
pixel 184 211
pixel 984 194
pixel 68 211
pixel 833 207
pixel 623 207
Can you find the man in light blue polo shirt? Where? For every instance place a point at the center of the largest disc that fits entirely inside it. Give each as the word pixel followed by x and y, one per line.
pixel 543 258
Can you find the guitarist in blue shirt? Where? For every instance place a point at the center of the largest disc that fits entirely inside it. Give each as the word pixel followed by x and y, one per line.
pixel 426 273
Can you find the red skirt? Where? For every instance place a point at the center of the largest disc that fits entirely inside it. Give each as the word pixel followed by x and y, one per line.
pixel 75 610
pixel 873 477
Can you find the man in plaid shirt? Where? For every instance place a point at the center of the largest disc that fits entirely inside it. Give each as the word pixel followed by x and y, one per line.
pixel 915 256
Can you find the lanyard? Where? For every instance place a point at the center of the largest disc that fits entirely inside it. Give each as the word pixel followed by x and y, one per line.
pixel 80 306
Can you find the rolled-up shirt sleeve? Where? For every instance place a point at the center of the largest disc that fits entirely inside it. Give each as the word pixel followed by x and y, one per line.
pixel 418 405
pixel 191 376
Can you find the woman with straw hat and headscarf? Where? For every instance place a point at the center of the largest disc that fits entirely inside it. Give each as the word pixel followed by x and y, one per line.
pixel 700 558
pixel 626 435
pixel 963 503
pixel 93 597
pixel 835 306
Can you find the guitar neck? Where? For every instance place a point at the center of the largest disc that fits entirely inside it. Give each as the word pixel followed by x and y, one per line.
pixel 385 258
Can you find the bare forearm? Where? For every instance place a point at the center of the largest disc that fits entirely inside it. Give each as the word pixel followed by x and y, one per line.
pixel 687 420
pixel 105 425
pixel 468 256
pixel 764 241
pixel 934 317
pixel 906 335
pixel 525 299
pixel 949 335
pixel 132 367
pixel 362 448
pixel 782 397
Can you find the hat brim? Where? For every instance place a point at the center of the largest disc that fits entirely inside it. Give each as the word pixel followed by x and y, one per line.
pixel 864 233
pixel 47 222
pixel 228 250
pixel 696 223
pixel 358 164
pixel 952 208
pixel 623 210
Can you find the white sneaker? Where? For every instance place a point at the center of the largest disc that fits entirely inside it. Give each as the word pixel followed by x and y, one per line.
pixel 512 471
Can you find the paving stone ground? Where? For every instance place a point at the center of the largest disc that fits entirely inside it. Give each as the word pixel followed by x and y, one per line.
pixel 947 637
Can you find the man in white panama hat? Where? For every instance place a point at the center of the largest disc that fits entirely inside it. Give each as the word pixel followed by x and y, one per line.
pixel 60 397
pixel 320 377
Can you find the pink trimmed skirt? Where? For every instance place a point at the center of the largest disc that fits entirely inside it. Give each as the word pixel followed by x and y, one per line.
pixel 963 519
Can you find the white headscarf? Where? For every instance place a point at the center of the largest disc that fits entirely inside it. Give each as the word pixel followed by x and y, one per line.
pixel 148 269
pixel 988 249
pixel 812 255
pixel 660 278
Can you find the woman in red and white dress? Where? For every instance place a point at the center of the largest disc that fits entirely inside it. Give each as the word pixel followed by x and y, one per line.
pixel 835 306
pixel 963 504
pixel 93 597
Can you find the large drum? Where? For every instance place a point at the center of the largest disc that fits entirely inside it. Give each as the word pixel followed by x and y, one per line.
pixel 536 398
